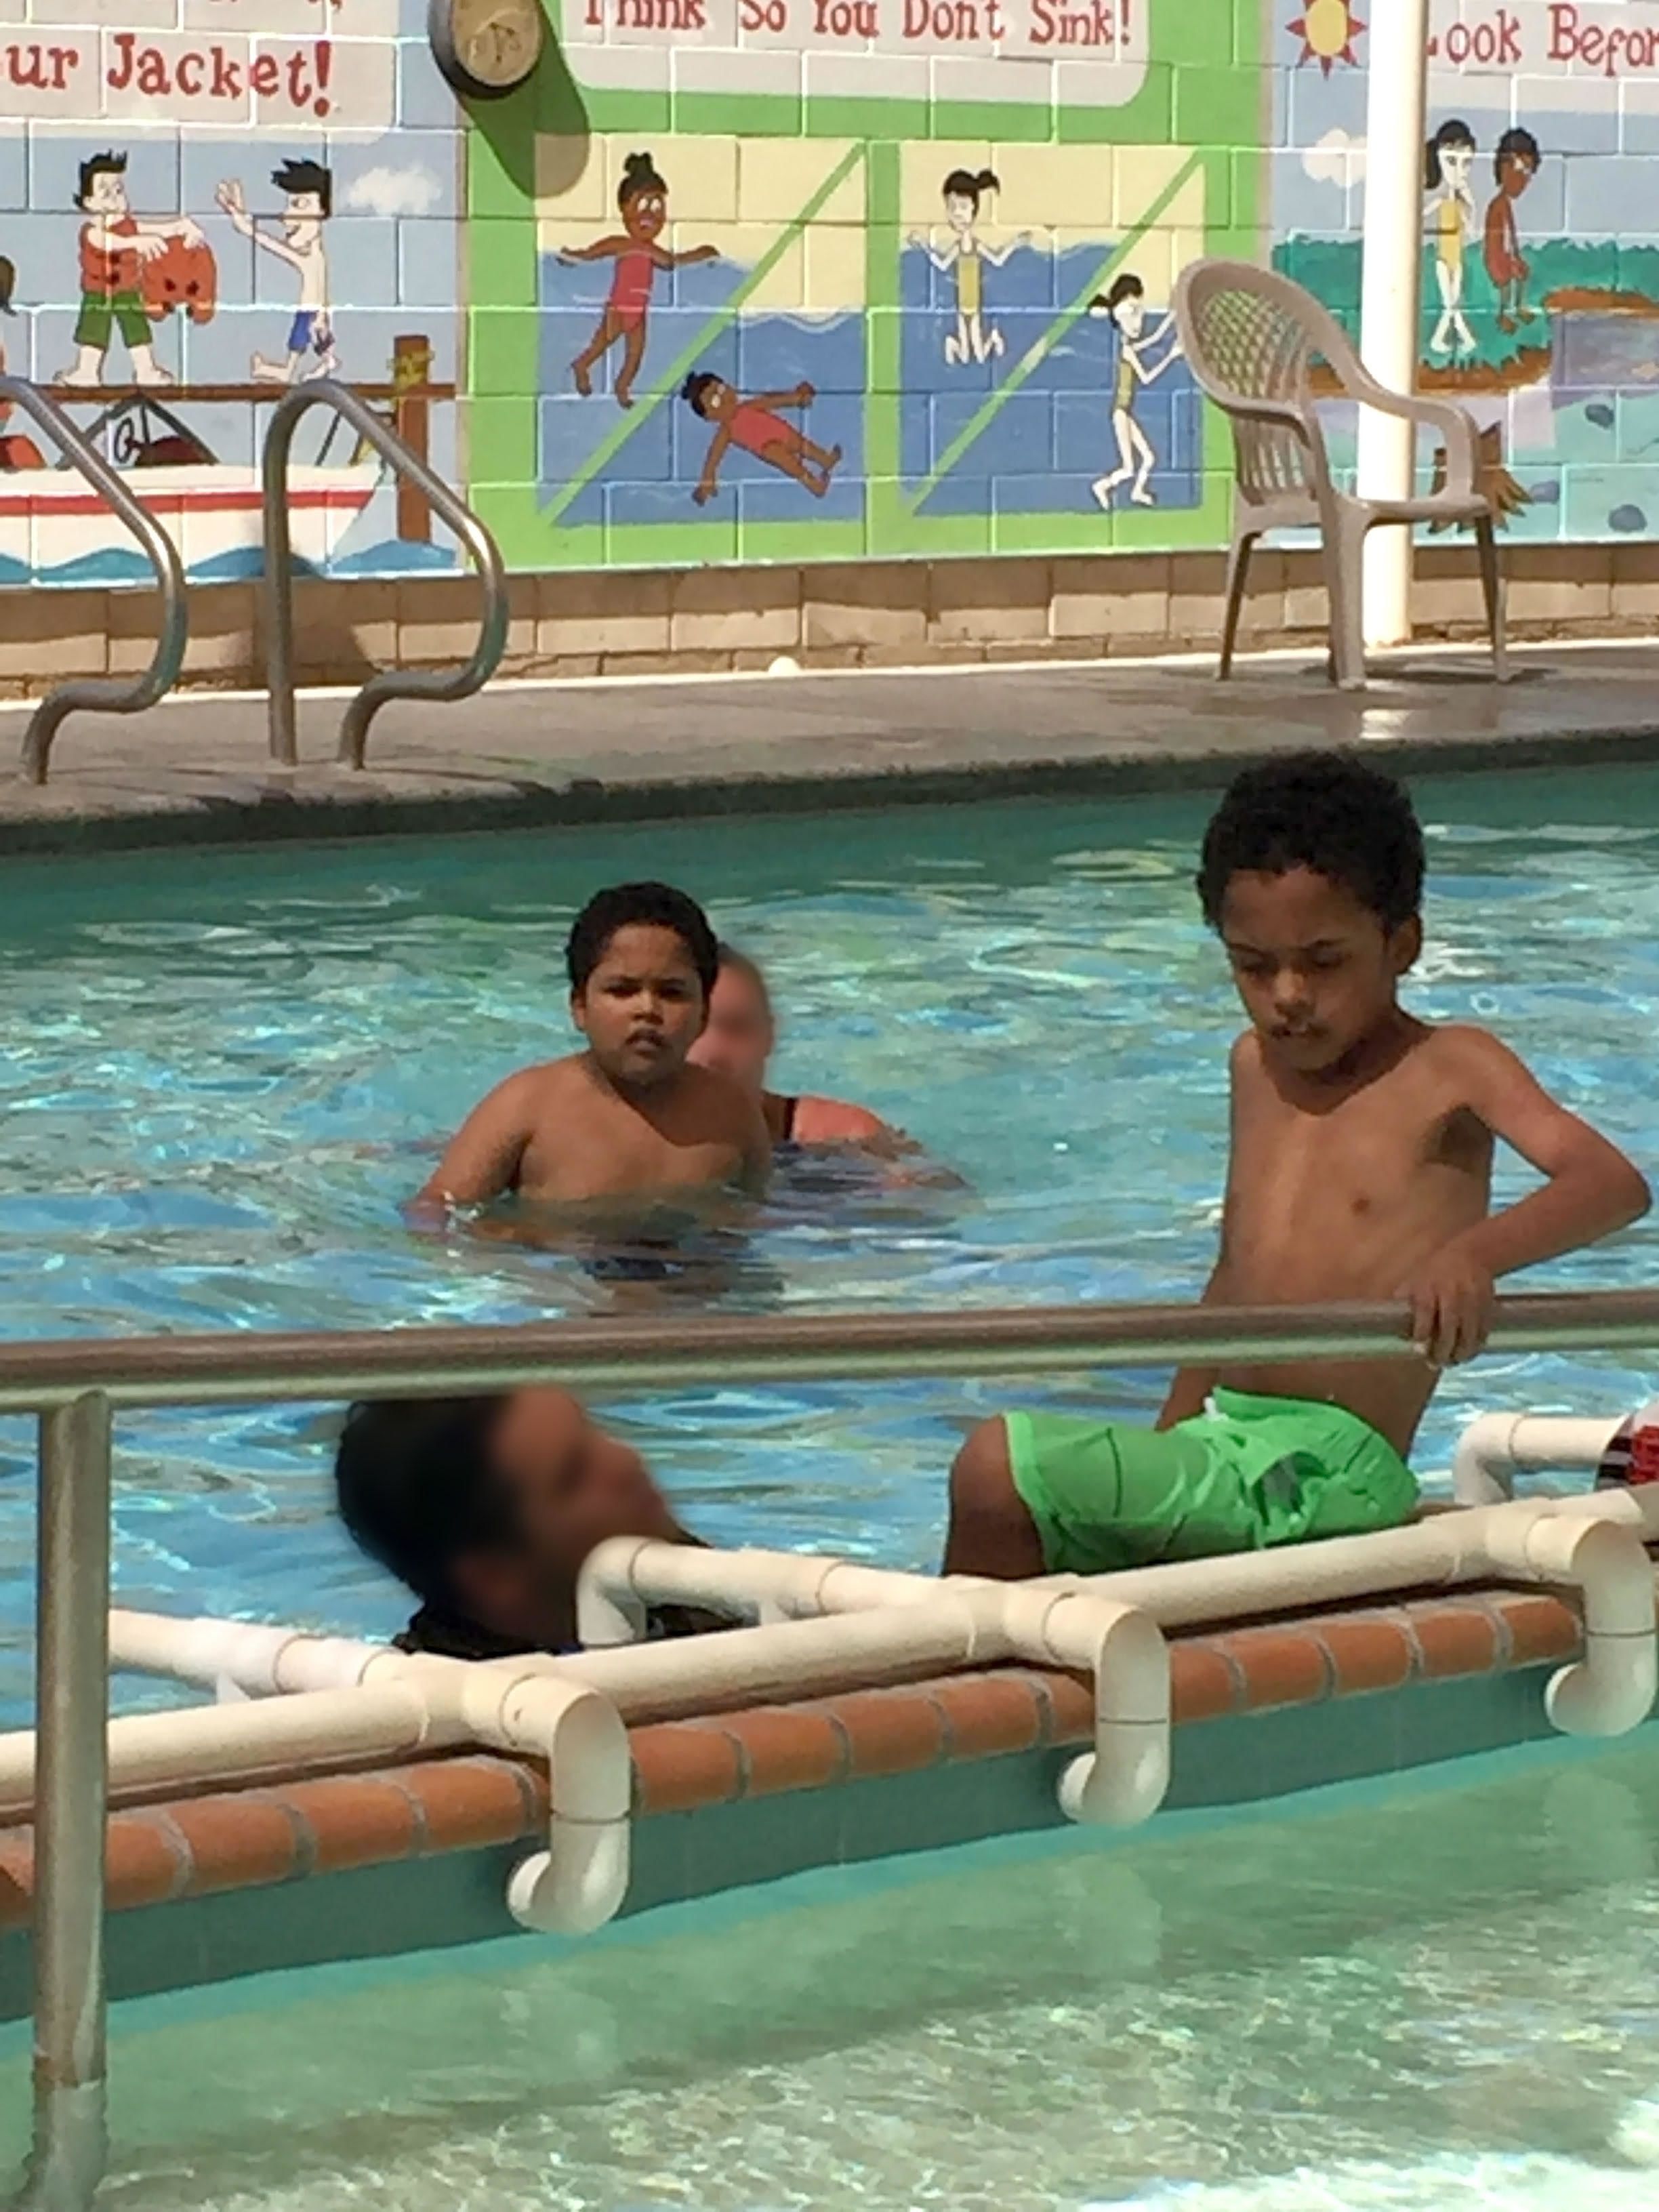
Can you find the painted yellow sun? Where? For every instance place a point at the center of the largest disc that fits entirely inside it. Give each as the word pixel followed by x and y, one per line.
pixel 1327 32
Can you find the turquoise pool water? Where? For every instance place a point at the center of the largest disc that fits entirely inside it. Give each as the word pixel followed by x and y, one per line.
pixel 222 1073
pixel 1439 1995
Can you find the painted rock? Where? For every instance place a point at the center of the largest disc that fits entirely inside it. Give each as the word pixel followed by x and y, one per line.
pixel 182 277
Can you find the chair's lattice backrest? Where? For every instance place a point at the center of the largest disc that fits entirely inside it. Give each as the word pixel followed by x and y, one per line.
pixel 1246 340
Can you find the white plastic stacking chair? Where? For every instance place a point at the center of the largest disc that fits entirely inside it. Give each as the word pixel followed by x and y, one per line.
pixel 1250 337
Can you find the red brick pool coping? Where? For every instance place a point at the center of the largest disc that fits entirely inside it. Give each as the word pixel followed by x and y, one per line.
pixel 313 1824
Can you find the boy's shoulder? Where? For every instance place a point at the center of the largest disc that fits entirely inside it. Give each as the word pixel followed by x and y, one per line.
pixel 1459 1061
pixel 545 1081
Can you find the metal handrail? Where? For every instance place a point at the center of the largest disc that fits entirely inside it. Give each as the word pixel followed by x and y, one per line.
pixel 76 1385
pixel 278 580
pixel 238 1369
pixel 104 695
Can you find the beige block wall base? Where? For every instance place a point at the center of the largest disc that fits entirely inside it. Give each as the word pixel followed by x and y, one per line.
pixel 870 615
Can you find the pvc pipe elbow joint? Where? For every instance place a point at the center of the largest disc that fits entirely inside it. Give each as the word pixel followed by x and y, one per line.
pixel 579 1882
pixel 609 1609
pixel 1125 1778
pixel 1611 1689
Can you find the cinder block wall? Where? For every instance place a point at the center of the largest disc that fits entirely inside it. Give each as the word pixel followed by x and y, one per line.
pixel 862 615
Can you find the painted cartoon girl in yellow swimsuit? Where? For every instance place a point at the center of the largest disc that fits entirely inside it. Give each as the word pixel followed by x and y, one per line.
pixel 973 339
pixel 1448 158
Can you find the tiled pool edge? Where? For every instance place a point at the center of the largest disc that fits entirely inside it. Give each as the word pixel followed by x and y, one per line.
pixel 318 1867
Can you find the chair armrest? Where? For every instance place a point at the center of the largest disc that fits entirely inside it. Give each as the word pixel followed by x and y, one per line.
pixel 1279 412
pixel 1455 423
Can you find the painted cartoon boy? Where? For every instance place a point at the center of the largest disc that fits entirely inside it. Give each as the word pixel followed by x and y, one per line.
pixel 1515 165
pixel 752 427
pixel 114 244
pixel 308 188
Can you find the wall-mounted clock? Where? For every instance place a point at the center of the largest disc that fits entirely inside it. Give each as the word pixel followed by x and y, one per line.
pixel 486 47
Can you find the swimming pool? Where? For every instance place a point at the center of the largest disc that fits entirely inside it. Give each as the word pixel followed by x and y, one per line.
pixel 221 1072
pixel 1437 1995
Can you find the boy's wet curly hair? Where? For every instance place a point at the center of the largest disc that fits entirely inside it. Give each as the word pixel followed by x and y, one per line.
pixel 656 906
pixel 1324 811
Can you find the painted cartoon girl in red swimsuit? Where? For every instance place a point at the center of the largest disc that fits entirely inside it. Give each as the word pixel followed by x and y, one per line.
pixel 753 426
pixel 643 198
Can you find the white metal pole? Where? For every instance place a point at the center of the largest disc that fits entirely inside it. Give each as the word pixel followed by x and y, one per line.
pixel 1396 105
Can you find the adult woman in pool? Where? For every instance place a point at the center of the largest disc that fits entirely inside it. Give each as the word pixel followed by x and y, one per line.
pixel 739 1042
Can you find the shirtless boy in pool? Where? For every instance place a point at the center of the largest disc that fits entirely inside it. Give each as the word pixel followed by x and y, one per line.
pixel 628 1117
pixel 1360 1168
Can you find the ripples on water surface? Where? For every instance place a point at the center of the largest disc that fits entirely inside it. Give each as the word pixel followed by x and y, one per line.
pixel 223 1073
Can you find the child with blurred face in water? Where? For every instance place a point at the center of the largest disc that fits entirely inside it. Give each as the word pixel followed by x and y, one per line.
pixel 739 1042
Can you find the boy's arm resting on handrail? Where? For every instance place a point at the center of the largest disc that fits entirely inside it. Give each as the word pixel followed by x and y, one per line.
pixel 1591 1191
pixel 481 1159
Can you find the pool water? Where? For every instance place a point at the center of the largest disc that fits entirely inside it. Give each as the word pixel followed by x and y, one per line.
pixel 1437 1995
pixel 222 1073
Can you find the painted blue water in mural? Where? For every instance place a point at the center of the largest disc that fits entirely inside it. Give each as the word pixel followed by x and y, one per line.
pixel 1052 440
pixel 1042 450
pixel 116 564
pixel 652 475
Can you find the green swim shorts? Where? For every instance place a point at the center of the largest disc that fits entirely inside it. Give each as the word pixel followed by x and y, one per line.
pixel 1246 1473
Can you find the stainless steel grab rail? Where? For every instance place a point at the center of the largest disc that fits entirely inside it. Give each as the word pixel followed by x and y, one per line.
pixel 103 694
pixel 75 1385
pixel 238 1369
pixel 277 583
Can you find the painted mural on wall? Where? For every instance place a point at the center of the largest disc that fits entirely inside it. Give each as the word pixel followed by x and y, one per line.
pixel 206 203
pixel 785 279
pixel 821 278
pixel 1541 277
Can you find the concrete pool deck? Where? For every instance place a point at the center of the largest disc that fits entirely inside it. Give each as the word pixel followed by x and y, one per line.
pixel 195 769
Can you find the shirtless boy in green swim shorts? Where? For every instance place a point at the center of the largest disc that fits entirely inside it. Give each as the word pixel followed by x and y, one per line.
pixel 1360 1168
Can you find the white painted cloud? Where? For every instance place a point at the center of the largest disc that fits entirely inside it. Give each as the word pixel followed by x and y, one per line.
pixel 1335 158
pixel 396 192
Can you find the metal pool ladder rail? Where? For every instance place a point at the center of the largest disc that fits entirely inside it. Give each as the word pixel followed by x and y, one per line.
pixel 278 580
pixel 76 1386
pixel 102 695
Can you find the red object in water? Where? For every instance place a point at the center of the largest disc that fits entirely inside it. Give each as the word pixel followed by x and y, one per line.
pixel 1644 1453
pixel 182 277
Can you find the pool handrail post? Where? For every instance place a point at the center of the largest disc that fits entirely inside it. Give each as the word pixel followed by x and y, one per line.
pixel 70 2141
pixel 278 581
pixel 100 694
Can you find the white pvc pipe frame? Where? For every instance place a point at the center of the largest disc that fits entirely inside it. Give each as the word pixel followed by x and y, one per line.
pixel 329 1700
pixel 826 1623
pixel 1495 1447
